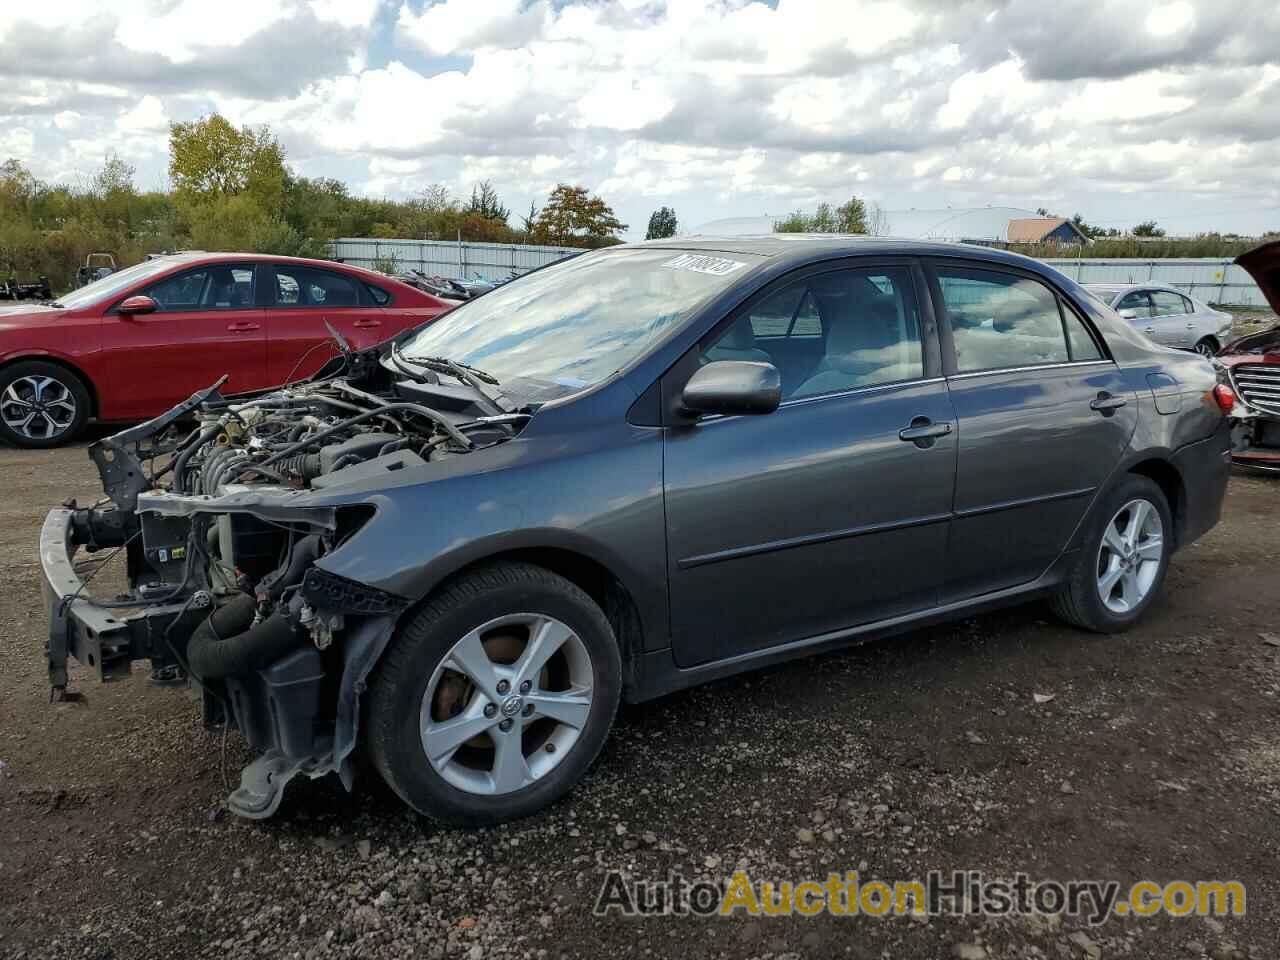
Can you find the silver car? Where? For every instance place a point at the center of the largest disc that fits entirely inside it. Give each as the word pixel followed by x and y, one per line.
pixel 1167 315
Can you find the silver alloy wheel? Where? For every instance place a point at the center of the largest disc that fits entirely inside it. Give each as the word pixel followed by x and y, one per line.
pixel 38 407
pixel 506 704
pixel 1205 349
pixel 1130 556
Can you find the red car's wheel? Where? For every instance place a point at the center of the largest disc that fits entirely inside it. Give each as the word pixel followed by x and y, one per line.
pixel 41 404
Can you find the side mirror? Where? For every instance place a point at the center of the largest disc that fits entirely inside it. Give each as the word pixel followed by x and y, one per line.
pixel 1128 313
pixel 733 387
pixel 132 306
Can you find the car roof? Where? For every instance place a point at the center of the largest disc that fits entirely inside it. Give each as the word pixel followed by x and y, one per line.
pixel 202 256
pixel 795 249
pixel 1115 288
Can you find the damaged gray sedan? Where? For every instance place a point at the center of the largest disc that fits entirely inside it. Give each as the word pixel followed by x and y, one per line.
pixel 630 472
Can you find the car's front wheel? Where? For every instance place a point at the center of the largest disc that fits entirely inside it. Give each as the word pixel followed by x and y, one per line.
pixel 1122 564
pixel 41 404
pixel 495 697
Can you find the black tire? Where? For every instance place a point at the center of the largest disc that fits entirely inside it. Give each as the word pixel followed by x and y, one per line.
pixel 1206 347
pixel 1078 600
pixel 20 376
pixel 399 683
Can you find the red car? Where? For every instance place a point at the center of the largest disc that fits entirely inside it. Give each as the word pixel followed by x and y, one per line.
pixel 1251 366
pixel 134 343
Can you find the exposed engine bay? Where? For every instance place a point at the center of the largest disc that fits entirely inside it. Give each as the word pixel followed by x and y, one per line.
pixel 219 508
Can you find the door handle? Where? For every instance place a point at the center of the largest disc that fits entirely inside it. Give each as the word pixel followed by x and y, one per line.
pixel 1149 330
pixel 241 325
pixel 923 432
pixel 1106 404
pixel 367 323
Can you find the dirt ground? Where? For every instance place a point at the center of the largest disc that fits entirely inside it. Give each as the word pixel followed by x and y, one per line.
pixel 1157 757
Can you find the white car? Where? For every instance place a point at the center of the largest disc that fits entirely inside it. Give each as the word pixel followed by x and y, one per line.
pixel 1167 315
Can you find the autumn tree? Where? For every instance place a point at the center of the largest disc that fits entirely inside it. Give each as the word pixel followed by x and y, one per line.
pixel 210 158
pixel 230 186
pixel 662 224
pixel 573 218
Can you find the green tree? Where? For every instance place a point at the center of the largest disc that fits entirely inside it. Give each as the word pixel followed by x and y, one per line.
pixel 530 220
pixel 485 203
pixel 573 218
pixel 662 224
pixel 1148 228
pixel 1091 231
pixel 849 217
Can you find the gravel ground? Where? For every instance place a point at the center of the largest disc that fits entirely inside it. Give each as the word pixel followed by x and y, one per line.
pixel 1158 756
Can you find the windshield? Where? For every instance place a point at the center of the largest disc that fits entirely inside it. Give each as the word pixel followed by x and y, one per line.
pixel 564 328
pixel 113 283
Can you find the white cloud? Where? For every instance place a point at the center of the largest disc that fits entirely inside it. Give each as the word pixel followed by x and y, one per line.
pixel 180 32
pixel 147 117
pixel 721 106
pixel 1170 18
pixel 18 142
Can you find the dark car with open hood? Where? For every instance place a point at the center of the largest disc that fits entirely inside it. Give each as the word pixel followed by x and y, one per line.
pixel 637 470
pixel 1250 365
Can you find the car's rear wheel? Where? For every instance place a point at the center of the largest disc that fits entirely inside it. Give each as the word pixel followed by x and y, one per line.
pixel 1123 562
pixel 41 404
pixel 495 697
pixel 1206 347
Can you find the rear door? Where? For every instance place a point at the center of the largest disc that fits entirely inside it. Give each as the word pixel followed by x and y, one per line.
pixel 300 299
pixel 206 324
pixel 1043 416
pixel 1175 326
pixel 824 514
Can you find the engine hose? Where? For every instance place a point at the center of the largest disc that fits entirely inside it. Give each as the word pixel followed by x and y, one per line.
pixel 304 553
pixel 304 465
pixel 180 463
pixel 246 647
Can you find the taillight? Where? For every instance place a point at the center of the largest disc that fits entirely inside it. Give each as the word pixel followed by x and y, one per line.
pixel 1225 397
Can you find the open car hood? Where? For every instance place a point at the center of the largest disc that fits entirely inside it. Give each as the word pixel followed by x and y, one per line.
pixel 1263 264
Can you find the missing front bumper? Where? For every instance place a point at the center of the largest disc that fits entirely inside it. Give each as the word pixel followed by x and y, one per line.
pixel 102 639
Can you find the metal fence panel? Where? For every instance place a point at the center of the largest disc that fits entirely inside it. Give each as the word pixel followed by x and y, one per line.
pixel 1209 279
pixel 448 258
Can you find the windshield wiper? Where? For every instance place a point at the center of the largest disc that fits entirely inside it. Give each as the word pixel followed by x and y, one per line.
pixel 448 366
pixel 465 373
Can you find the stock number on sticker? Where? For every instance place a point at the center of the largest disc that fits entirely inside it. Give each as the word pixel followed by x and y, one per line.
pixel 716 266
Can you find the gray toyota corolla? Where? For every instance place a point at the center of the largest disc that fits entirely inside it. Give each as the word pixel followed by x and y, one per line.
pixel 630 472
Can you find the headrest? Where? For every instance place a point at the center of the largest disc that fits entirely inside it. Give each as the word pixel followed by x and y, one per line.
pixel 740 336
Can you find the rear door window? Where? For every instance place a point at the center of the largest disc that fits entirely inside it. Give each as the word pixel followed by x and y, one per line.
pixel 1003 321
pixel 308 287
pixel 1167 304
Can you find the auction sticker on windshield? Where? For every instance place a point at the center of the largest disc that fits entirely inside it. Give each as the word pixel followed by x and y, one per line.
pixel 716 266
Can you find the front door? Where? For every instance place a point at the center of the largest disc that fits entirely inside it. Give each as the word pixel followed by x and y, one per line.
pixel 205 325
pixel 1137 309
pixel 833 510
pixel 1044 419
